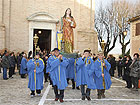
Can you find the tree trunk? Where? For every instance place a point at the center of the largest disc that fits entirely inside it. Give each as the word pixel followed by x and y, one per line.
pixel 123 50
pixel 105 54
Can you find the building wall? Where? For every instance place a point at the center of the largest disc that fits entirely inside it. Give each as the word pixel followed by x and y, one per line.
pixel 135 40
pixel 16 12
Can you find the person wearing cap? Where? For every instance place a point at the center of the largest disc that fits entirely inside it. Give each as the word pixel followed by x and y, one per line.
pixel 102 76
pixel 58 65
pixel 35 67
pixel 23 67
pixel 85 72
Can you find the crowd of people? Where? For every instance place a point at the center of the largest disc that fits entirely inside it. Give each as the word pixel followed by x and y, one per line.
pixel 127 68
pixel 58 70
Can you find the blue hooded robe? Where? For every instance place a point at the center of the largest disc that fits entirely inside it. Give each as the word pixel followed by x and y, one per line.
pixel 58 72
pixel 48 65
pixel 77 74
pixel 98 74
pixel 70 69
pixel 23 67
pixel 85 73
pixel 39 74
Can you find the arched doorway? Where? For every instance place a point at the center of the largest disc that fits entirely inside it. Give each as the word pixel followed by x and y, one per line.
pixel 45 22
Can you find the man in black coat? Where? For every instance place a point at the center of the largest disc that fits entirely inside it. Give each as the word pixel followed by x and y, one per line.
pixel 119 66
pixel 5 65
pixel 112 61
pixel 12 64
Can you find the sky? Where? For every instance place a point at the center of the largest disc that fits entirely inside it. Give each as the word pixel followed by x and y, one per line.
pixel 117 49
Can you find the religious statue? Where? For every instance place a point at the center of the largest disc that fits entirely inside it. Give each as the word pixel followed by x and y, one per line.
pixel 68 23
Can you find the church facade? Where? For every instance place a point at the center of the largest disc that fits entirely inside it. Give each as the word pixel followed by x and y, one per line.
pixel 20 20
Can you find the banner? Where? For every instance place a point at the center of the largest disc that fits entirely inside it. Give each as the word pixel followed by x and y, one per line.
pixel 59 39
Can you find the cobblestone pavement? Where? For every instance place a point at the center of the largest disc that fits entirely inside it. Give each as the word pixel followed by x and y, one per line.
pixel 15 92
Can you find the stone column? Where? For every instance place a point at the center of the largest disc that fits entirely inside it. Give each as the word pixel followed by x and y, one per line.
pixel 2 26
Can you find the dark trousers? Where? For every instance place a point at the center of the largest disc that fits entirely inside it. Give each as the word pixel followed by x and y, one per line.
pixel 11 71
pixel 100 92
pixel 4 73
pixel 51 83
pixel 68 80
pixel 61 95
pixel 87 93
pixel 135 82
pixel 111 71
pixel 0 69
pixel 14 70
pixel 46 76
pixel 119 71
pixel 73 83
pixel 129 82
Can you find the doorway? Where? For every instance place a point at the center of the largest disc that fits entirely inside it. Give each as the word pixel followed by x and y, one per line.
pixel 44 41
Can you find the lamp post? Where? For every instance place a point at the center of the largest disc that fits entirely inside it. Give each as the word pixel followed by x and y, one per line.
pixel 35 38
pixel 125 33
pixel 37 49
pixel 103 45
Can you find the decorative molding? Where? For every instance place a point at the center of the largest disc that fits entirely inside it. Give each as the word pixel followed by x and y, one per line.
pixel 42 17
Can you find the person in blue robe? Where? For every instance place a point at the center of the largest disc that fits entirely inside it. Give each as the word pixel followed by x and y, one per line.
pixel 48 66
pixel 23 67
pixel 85 70
pixel 70 72
pixel 48 69
pixel 102 76
pixel 58 65
pixel 35 69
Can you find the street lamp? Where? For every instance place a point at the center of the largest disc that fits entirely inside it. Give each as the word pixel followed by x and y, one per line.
pixel 35 38
pixel 39 32
pixel 37 49
pixel 124 33
pixel 103 45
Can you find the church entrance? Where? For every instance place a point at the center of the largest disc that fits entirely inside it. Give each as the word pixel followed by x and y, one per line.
pixel 44 41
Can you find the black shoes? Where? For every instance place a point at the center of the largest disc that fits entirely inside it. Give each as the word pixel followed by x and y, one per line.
pixel 77 88
pixel 83 97
pixel 73 87
pixel 88 98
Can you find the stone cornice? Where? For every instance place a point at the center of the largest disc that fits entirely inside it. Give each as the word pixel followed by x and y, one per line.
pixel 42 17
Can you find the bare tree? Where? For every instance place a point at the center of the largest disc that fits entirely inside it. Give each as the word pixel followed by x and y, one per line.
pixel 123 11
pixel 112 21
pixel 106 28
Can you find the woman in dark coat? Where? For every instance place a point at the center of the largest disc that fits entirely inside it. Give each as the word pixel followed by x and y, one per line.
pixel 112 61
pixel 127 72
pixel 135 71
